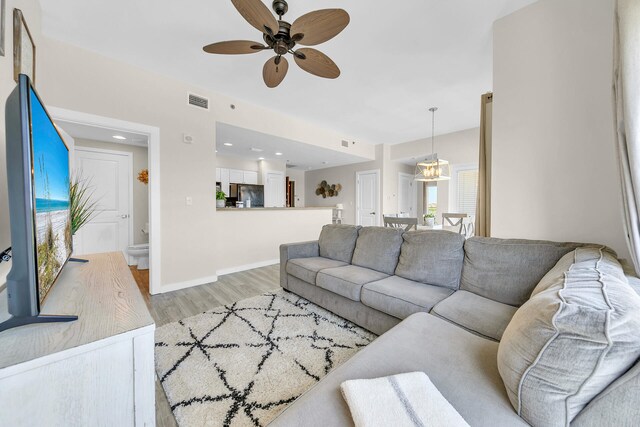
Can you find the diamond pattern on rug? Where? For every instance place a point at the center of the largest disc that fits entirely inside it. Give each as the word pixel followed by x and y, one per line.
pixel 243 363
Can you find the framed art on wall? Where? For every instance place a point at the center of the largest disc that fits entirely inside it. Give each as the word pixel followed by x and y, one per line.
pixel 24 50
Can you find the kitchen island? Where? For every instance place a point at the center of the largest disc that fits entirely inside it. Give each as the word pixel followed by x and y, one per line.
pixel 251 237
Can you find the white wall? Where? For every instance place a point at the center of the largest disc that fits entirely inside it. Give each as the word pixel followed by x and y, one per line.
pixel 344 175
pixel 140 190
pixel 252 238
pixel 237 163
pixel 80 80
pixel 31 12
pixel 554 163
pixel 265 166
pixel 459 148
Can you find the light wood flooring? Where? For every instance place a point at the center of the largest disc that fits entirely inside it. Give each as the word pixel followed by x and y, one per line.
pixel 174 306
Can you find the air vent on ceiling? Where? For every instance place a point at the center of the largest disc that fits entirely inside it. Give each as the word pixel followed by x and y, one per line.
pixel 290 166
pixel 345 143
pixel 198 101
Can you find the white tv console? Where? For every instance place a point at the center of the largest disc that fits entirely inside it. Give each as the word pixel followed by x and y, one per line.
pixel 97 370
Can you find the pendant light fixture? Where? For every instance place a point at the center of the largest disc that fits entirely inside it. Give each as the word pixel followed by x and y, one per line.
pixel 432 168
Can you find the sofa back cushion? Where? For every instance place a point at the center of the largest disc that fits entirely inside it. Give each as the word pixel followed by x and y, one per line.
pixel 338 242
pixel 507 270
pixel 378 248
pixel 434 257
pixel 577 334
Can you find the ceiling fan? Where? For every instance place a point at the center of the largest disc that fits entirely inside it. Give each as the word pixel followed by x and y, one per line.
pixel 282 37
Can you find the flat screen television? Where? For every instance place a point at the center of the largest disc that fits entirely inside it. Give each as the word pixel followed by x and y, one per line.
pixel 39 205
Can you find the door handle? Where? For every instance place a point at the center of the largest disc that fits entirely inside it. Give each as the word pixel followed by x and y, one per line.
pixel 372 213
pixel 125 216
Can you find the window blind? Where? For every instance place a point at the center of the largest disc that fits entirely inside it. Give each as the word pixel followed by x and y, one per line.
pixel 467 181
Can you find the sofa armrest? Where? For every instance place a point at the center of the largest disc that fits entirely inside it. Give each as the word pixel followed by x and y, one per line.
pixel 295 250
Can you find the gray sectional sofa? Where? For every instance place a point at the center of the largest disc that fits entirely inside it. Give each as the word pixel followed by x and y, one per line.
pixel 512 332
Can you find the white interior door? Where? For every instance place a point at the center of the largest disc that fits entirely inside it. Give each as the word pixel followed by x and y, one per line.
pixel 274 190
pixel 407 196
pixel 367 198
pixel 109 174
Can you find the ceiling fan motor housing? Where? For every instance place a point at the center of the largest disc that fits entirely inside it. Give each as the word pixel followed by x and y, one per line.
pixel 280 42
pixel 280 7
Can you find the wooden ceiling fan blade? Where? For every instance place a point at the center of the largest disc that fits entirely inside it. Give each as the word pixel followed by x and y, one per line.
pixel 316 63
pixel 320 26
pixel 257 14
pixel 274 71
pixel 234 47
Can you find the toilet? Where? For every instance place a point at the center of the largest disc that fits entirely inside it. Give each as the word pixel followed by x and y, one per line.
pixel 140 253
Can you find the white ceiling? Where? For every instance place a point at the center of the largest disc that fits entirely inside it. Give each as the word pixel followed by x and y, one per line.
pixel 297 154
pixel 397 57
pixel 81 131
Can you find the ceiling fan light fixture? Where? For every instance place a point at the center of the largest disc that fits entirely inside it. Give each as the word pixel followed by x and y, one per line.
pixel 432 168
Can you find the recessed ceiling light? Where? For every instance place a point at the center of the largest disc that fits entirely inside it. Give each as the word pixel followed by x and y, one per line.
pixel 260 158
pixel 228 144
pixel 257 150
pixel 278 154
pixel 120 137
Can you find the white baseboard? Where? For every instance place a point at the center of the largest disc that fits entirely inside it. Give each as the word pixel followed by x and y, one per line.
pixel 245 267
pixel 187 284
pixel 204 280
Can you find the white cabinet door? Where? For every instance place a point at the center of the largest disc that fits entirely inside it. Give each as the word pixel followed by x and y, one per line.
pixel 236 176
pixel 224 179
pixel 218 175
pixel 250 177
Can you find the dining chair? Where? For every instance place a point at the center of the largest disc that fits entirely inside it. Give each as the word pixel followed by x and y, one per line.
pixel 405 223
pixel 456 220
pixel 469 225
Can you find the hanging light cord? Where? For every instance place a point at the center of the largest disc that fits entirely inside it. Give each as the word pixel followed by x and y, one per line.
pixel 433 130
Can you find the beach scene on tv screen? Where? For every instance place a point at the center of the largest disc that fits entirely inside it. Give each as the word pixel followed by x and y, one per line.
pixel 51 186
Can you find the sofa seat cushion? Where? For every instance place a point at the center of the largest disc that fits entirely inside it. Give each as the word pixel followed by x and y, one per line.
pixel 433 256
pixel 400 297
pixel 307 268
pixel 475 313
pixel 577 334
pixel 347 280
pixel 338 241
pixel 507 270
pixel 461 365
pixel 378 248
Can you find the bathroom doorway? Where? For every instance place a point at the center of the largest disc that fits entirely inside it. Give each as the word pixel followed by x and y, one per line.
pixel 118 164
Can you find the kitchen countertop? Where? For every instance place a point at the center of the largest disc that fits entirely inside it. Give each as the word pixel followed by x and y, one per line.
pixel 274 209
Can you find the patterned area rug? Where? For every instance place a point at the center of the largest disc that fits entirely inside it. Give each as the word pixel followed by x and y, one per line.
pixel 242 364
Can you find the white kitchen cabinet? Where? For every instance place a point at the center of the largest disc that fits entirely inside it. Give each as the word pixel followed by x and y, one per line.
pixel 224 179
pixel 236 176
pixel 250 177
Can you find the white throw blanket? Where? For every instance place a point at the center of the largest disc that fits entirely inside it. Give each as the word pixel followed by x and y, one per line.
pixel 399 400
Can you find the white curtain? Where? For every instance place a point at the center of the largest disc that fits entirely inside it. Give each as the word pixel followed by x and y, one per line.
pixel 626 88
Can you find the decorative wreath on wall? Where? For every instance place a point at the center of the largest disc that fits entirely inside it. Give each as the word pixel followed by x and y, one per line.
pixel 325 190
pixel 143 176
